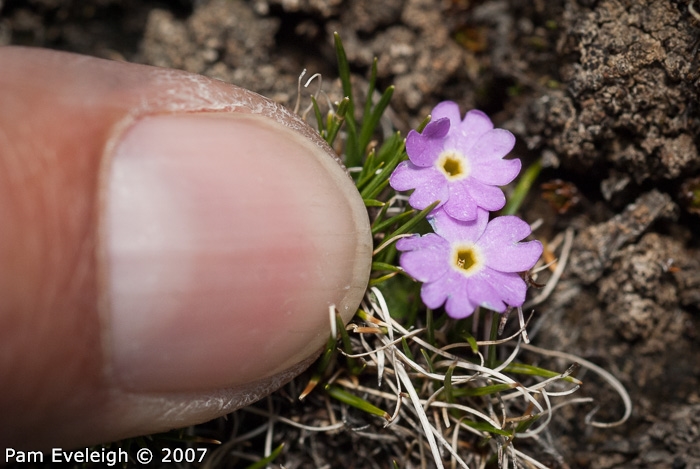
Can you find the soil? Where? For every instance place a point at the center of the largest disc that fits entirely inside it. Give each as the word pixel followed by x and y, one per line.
pixel 604 91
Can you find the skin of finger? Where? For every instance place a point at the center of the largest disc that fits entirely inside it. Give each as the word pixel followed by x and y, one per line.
pixel 54 391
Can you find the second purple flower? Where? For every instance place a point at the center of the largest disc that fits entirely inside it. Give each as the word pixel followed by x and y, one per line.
pixel 465 265
pixel 458 162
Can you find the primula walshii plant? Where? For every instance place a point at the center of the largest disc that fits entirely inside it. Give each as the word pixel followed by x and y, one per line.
pixel 468 262
pixel 458 163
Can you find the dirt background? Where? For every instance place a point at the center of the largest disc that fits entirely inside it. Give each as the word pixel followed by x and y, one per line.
pixel 604 91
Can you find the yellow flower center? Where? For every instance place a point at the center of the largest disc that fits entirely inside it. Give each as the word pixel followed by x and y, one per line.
pixel 453 165
pixel 467 260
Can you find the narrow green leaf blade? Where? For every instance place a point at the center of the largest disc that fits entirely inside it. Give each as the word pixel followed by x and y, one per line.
pixel 522 188
pixel 266 461
pixel 486 427
pixel 483 390
pixel 373 203
pixel 352 400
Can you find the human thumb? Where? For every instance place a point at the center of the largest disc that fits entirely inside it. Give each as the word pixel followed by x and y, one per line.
pixel 170 247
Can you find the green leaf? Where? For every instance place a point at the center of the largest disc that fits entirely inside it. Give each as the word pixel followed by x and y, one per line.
pixel 352 400
pixel 449 396
pixel 486 427
pixel 376 188
pixel 379 167
pixel 368 169
pixel 379 280
pixel 379 178
pixel 495 322
pixel 530 370
pixel 427 360
pixel 525 424
pixel 381 226
pixel 472 341
pixel 353 154
pixel 353 364
pixel 336 121
pixel 319 118
pixel 384 266
pixel 522 188
pixel 429 326
pixel 423 123
pixel 371 121
pixel 393 145
pixel 343 67
pixel 380 216
pixel 373 203
pixel 321 367
pixel 406 349
pixel 483 390
pixel 410 224
pixel 370 87
pixel 266 461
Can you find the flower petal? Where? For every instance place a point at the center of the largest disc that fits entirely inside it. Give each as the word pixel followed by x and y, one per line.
pixel 448 110
pixel 435 293
pixel 518 258
pixel 495 172
pixel 459 231
pixel 412 243
pixel 490 198
pixel 433 187
pixel 438 127
pixel 423 149
pixel 484 293
pixel 429 184
pixel 511 288
pixel 494 144
pixel 460 204
pixel 405 176
pixel 502 249
pixel 425 258
pixel 459 304
pixel 507 229
pixel 474 125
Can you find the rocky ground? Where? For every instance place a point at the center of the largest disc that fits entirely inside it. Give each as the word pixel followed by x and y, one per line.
pixel 606 92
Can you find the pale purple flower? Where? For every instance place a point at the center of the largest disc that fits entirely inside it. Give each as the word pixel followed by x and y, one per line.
pixel 458 162
pixel 469 264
